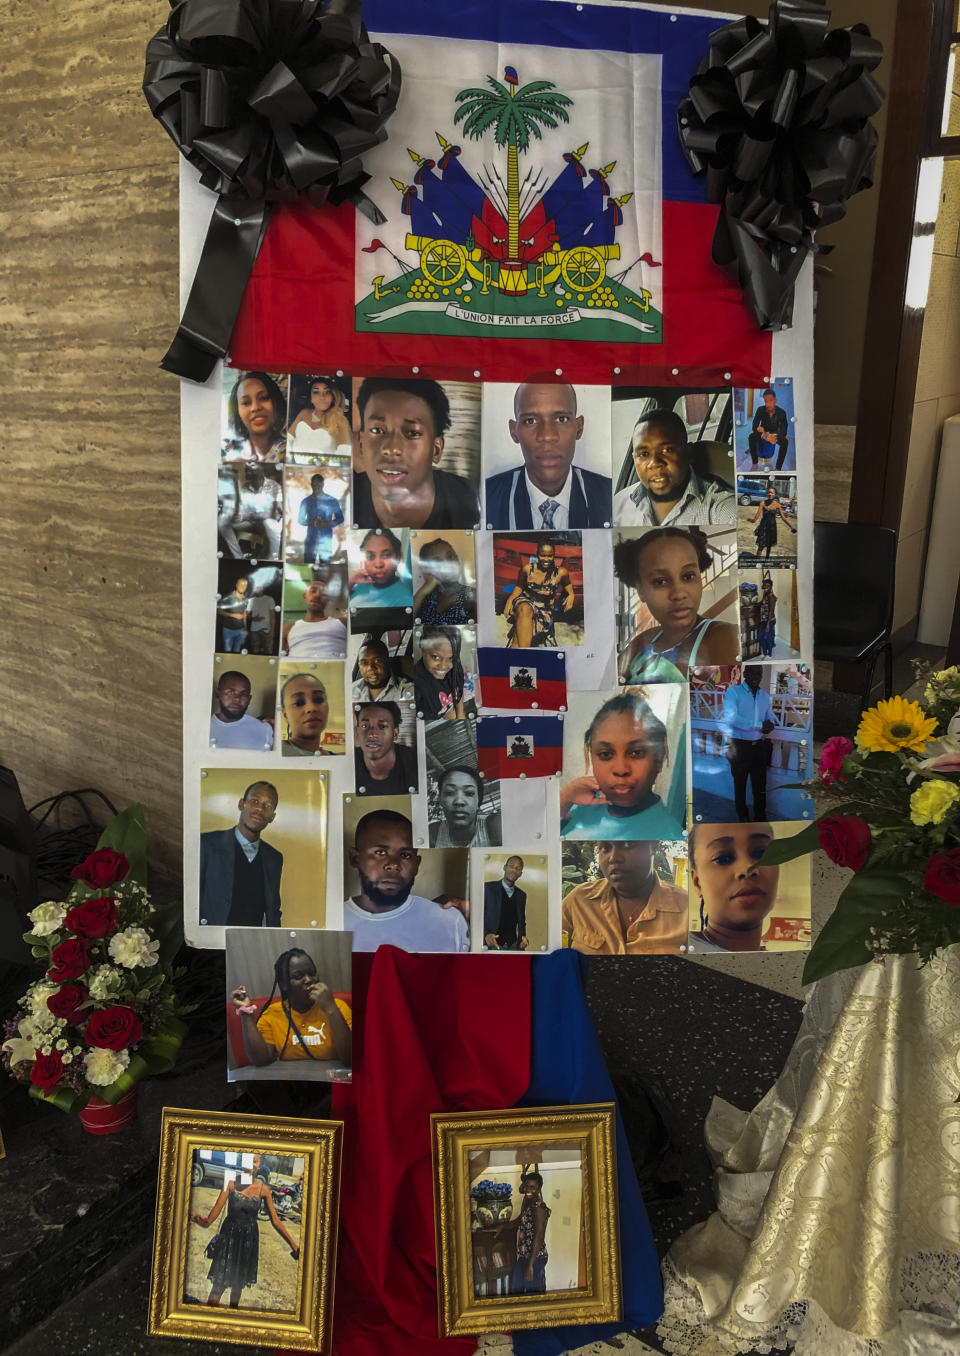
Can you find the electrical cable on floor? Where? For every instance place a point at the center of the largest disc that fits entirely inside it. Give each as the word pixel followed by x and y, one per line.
pixel 59 848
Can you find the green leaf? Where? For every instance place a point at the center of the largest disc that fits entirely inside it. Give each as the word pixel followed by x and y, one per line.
pixel 65 1098
pixel 883 886
pixel 841 941
pixel 786 849
pixel 127 833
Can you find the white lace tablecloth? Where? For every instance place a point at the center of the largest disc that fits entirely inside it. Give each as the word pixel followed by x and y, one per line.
pixel 838 1227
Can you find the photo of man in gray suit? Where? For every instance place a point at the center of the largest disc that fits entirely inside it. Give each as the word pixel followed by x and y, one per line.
pixel 239 872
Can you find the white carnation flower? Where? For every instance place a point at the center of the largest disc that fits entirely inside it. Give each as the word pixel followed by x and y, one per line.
pixel 103 1067
pixel 37 996
pixel 46 918
pixel 134 947
pixel 103 981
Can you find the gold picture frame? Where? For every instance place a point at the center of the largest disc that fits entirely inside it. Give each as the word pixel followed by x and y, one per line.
pixel 477 1261
pixel 213 1165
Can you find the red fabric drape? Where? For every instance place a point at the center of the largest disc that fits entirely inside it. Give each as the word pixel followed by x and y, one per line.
pixel 430 1033
pixel 298 308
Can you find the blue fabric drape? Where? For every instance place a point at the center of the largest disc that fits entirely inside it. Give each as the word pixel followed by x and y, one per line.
pixel 567 1067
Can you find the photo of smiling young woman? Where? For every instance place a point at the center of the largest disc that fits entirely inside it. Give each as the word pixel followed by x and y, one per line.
pixel 738 905
pixel 254 414
pixel 624 764
pixel 318 416
pixel 443 672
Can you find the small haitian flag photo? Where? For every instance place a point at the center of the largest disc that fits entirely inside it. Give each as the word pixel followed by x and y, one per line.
pixel 522 680
pixel 519 746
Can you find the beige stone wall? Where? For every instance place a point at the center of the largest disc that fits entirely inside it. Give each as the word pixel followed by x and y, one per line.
pixel 90 660
pixel 937 394
pixel 843 293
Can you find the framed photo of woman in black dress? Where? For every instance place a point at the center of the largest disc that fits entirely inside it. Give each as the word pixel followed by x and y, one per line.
pixel 245 1238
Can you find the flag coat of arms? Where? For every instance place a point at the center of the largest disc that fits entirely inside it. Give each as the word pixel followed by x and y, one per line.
pixel 522 680
pixel 537 208
pixel 519 746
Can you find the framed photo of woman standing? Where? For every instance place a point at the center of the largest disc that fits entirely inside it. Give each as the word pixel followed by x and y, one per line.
pixel 245 1238
pixel 527 1225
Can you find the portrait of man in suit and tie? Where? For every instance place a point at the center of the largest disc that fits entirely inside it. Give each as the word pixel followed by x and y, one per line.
pixel 505 910
pixel 239 872
pixel 550 488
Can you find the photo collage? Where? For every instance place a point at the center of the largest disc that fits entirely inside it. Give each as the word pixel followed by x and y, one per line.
pixel 545 645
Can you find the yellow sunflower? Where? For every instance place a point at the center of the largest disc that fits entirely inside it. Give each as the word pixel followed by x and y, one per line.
pixel 893 725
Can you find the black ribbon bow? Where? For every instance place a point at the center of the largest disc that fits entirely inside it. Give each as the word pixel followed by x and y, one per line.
pixel 778 119
pixel 272 101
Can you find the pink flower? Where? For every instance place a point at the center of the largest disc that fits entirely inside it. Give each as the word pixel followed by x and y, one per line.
pixel 835 750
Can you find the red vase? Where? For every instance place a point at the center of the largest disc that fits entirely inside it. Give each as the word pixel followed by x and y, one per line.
pixel 100 1118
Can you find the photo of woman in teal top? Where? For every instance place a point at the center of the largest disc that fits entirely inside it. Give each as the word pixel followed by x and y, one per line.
pixel 383 577
pixel 665 567
pixel 625 749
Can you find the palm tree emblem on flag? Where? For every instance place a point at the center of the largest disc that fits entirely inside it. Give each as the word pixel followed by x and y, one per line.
pixel 514 114
pixel 530 251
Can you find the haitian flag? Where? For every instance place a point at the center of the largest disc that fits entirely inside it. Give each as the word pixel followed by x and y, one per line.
pixel 522 680
pixel 538 212
pixel 519 746
pixel 425 1007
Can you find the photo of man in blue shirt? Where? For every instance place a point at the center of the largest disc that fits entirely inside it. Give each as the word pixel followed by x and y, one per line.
pixel 747 721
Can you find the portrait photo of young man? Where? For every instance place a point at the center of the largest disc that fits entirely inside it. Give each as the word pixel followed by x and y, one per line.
pixel 398 480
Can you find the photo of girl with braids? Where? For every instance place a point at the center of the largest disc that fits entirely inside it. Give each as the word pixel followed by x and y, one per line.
pixel 304 1021
pixel 438 676
pixel 626 752
pixel 665 567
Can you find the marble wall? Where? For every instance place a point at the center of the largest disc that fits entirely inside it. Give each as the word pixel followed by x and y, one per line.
pixel 90 664
pixel 937 393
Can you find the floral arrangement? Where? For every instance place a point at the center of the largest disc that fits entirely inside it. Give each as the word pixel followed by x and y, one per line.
pixel 895 822
pixel 486 1190
pixel 104 1013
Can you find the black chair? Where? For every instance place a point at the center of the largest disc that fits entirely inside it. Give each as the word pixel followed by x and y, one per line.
pixel 854 575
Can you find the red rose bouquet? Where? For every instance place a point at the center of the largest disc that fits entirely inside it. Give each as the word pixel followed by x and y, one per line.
pixel 894 821
pixel 105 1013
